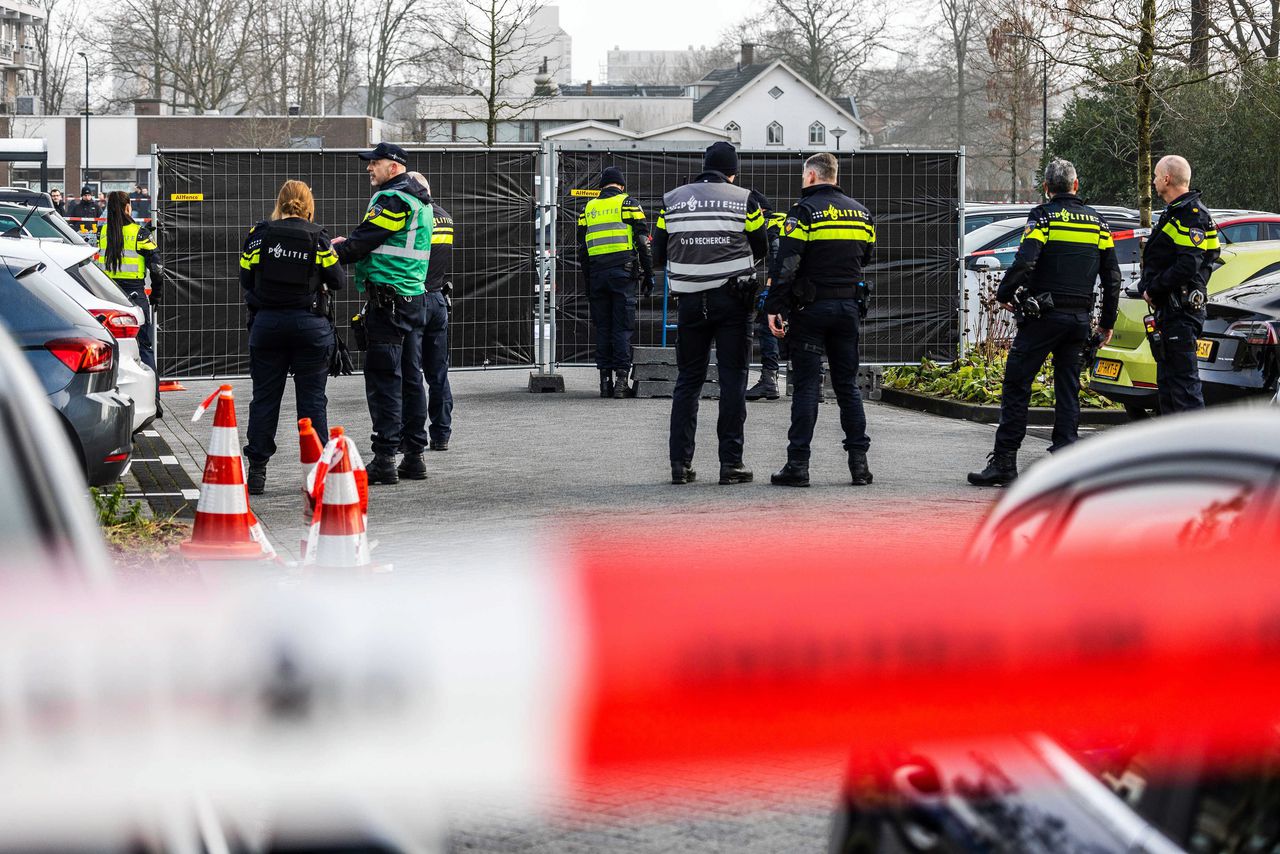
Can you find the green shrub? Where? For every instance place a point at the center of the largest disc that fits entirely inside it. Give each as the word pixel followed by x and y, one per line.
pixel 977 379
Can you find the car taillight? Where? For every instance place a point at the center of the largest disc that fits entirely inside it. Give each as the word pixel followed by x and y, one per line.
pixel 121 324
pixel 83 355
pixel 1255 331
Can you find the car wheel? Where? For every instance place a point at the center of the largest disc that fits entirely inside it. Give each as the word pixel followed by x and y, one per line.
pixel 1136 412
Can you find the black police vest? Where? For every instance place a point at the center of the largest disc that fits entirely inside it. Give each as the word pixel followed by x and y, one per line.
pixel 288 275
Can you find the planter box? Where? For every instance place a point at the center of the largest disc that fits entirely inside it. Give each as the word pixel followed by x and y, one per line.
pixel 989 414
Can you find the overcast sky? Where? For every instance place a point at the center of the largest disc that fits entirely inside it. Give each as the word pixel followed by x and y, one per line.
pixel 652 25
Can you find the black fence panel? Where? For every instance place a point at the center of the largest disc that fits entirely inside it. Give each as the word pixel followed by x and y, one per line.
pixel 914 198
pixel 207 201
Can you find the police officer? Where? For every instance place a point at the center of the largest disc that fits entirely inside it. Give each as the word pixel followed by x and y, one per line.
pixel 287 267
pixel 1066 247
pixel 827 239
pixel 770 346
pixel 435 332
pixel 612 235
pixel 1176 264
pixel 126 253
pixel 710 234
pixel 391 249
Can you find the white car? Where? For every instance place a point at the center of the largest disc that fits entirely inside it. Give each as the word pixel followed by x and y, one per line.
pixel 72 269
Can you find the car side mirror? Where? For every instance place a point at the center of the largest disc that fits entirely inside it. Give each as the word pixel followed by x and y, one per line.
pixel 985 263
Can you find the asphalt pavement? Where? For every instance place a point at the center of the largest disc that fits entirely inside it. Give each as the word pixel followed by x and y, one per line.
pixel 550 463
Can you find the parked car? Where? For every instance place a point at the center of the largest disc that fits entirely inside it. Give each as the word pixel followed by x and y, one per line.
pixel 1140 486
pixel 1247 227
pixel 33 214
pixel 75 360
pixel 71 269
pixel 45 520
pixel 1125 370
pixel 978 214
pixel 1239 350
pixel 990 250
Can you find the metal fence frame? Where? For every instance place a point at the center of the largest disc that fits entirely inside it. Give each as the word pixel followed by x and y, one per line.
pixel 549 211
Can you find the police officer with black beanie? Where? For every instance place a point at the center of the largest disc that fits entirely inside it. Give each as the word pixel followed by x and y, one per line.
pixel 710 234
pixel 1066 249
pixel 286 262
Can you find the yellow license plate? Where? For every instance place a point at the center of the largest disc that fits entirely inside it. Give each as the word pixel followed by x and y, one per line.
pixel 1106 369
pixel 1204 349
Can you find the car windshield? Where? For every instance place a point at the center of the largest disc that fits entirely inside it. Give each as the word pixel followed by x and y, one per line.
pixel 44 223
pixel 980 238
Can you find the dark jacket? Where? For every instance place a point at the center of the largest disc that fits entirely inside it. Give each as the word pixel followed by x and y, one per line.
pixel 84 210
pixel 441 248
pixel 288 282
pixel 1066 247
pixel 1180 254
pixel 827 239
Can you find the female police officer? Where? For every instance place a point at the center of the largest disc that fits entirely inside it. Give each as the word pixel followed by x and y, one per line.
pixel 286 262
pixel 127 253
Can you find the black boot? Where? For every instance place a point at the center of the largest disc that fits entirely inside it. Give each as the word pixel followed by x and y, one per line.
pixel 621 382
pixel 736 473
pixel 1002 469
pixel 766 387
pixel 383 469
pixel 412 467
pixel 257 478
pixel 683 473
pixel 792 474
pixel 858 468
pixel 606 383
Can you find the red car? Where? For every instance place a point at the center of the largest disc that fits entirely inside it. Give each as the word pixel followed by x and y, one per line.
pixel 1247 226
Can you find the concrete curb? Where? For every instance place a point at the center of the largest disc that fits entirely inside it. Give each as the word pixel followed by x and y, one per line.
pixel 1037 415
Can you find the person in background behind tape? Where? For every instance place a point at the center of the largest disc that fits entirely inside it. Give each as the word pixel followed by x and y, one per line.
pixel 1066 248
pixel 827 240
pixel 391 249
pixel 435 331
pixel 612 238
pixel 126 253
pixel 771 352
pixel 287 267
pixel 1176 263
pixel 709 235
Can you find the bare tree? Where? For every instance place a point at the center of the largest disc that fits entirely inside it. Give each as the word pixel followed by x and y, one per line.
pixel 398 42
pixel 959 17
pixel 493 46
pixel 205 49
pixel 54 43
pixel 1012 89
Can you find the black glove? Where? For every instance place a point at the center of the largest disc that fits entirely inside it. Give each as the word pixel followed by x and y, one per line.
pixel 340 359
pixel 647 286
pixel 156 296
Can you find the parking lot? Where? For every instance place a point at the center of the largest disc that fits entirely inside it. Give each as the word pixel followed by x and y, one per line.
pixel 523 463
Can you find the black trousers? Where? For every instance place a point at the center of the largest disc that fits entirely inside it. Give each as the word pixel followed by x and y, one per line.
pixel 393 375
pixel 1064 334
pixel 830 327
pixel 1178 370
pixel 719 318
pixel 612 293
pixel 284 341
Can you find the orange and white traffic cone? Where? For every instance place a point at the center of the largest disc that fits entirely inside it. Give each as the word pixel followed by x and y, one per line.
pixel 310 450
pixel 223 521
pixel 338 539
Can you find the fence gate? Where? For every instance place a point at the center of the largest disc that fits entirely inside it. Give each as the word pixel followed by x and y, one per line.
pixel 915 197
pixel 207 200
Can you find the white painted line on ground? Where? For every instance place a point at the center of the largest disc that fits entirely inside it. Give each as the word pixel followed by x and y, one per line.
pixel 144 460
pixel 169 460
pixel 191 494
pixel 150 434
pixel 155 495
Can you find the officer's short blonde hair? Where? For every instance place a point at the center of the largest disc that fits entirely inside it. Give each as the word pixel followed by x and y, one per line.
pixel 295 199
pixel 824 165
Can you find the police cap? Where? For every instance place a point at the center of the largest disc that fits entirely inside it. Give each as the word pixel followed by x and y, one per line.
pixel 385 151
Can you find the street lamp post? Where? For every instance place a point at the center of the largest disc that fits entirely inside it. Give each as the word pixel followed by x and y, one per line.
pixel 838 132
pixel 85 57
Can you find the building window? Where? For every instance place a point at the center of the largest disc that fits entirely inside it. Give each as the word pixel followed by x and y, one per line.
pixel 774 134
pixel 734 131
pixel 775 93
pixel 817 134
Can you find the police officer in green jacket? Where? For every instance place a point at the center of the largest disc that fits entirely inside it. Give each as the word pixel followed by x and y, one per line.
pixel 391 250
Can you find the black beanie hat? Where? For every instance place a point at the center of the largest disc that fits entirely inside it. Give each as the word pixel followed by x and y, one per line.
pixel 721 157
pixel 612 175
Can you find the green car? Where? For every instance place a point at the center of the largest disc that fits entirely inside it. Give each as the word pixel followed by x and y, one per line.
pixel 1125 370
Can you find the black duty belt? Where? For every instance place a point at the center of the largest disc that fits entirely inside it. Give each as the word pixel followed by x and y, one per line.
pixel 835 292
pixel 1071 301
